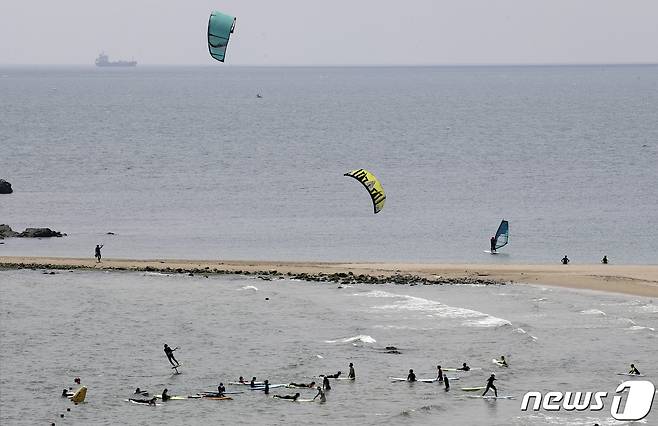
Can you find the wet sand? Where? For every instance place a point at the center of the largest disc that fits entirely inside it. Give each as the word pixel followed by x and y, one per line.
pixel 639 280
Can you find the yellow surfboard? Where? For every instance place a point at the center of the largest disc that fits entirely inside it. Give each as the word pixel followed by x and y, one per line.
pixel 80 395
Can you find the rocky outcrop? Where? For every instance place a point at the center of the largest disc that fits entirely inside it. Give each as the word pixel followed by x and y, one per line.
pixel 39 233
pixel 7 232
pixel 5 187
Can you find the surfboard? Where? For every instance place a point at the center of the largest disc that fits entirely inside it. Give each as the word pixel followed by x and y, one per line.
pixel 80 395
pixel 473 389
pixel 463 371
pixel 141 403
pixel 346 378
pixel 305 400
pixel 176 366
pixel 199 395
pixel 398 379
pixel 491 252
pixel 630 374
pixel 219 398
pixel 491 397
pixel 260 388
pixel 246 383
pixel 499 363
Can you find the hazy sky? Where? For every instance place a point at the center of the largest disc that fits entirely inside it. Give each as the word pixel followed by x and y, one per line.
pixel 316 32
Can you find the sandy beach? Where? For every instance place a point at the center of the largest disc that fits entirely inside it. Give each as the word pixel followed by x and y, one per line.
pixel 639 280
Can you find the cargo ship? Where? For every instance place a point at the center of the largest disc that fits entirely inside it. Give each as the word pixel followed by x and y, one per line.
pixel 104 61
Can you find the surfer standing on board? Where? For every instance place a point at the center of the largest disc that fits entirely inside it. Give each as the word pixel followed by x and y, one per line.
pixel 493 244
pixel 351 374
pixel 565 260
pixel 634 370
pixel 97 252
pixel 490 385
pixel 170 355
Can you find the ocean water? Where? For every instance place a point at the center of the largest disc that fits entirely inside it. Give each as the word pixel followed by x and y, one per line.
pixel 187 163
pixel 109 328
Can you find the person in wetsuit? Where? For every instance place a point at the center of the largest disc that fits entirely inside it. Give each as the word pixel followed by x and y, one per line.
pixel 293 397
pixel 325 383
pixel 252 384
pixel 490 385
pixel 503 361
pixel 220 390
pixel 170 355
pixel 97 252
pixel 333 376
pixel 411 377
pixel 165 395
pixel 446 382
pixel 302 385
pixel 351 374
pixel 267 387
pixel 321 394
pixel 439 376
pixel 634 370
pixel 604 260
pixel 138 391
pixel 493 244
pixel 565 260
pixel 464 367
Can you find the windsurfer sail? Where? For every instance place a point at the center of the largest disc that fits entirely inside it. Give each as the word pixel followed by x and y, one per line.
pixel 502 234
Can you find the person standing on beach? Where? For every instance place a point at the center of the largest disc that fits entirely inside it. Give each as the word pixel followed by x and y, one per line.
pixel 490 385
pixel 170 355
pixel 565 260
pixel 97 252
pixel 351 374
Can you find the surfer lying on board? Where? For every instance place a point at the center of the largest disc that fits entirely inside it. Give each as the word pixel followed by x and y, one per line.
pixel 351 374
pixel 67 392
pixel 464 367
pixel 439 376
pixel 490 385
pixel 293 397
pixel 411 377
pixel 321 394
pixel 302 385
pixel 170 355
pixel 331 376
pixel 634 370
pixel 143 401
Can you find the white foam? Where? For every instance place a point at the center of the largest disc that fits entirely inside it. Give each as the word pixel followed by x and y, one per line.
pixel 436 309
pixel 639 327
pixel 248 287
pixel 364 338
pixel 593 312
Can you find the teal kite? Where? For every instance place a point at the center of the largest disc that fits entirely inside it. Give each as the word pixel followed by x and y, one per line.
pixel 220 28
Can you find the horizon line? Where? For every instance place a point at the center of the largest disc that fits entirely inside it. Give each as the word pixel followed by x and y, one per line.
pixel 419 65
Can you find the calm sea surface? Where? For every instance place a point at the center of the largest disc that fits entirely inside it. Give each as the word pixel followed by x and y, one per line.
pixel 109 328
pixel 188 163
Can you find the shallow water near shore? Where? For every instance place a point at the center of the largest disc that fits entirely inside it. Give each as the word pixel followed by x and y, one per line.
pixel 108 328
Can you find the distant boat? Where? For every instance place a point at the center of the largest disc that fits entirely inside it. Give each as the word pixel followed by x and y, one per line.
pixel 104 61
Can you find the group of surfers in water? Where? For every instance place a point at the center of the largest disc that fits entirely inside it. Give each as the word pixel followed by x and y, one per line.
pixel 441 377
